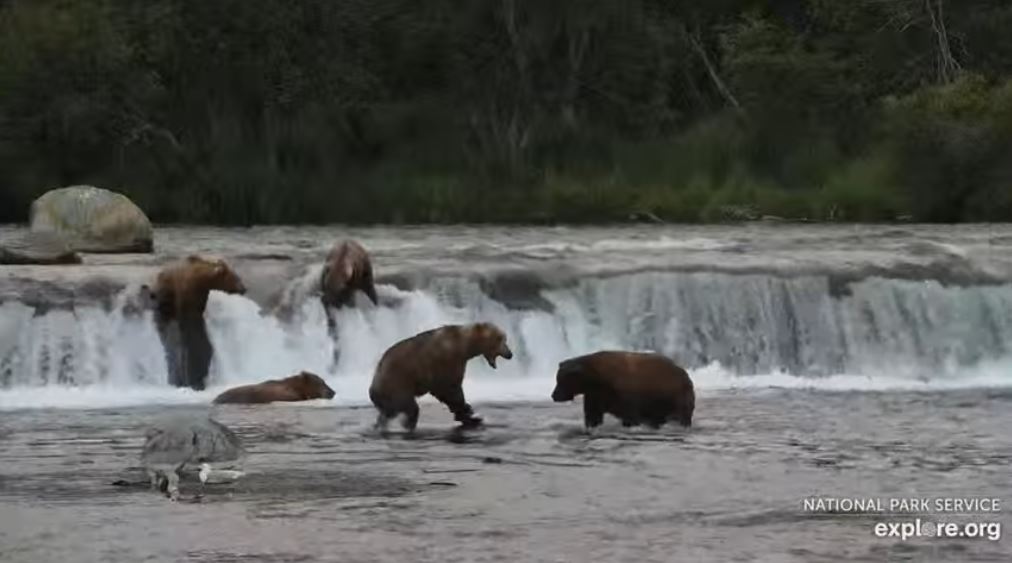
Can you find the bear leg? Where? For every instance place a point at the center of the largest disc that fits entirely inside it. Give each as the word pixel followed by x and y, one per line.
pixel 657 413
pixel 593 414
pixel 175 352
pixel 381 422
pixel 656 422
pixel 387 407
pixel 329 315
pixel 197 352
pixel 454 400
pixel 410 420
pixel 684 418
pixel 682 412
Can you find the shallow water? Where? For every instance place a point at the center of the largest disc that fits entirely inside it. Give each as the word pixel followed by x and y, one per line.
pixel 830 361
pixel 321 486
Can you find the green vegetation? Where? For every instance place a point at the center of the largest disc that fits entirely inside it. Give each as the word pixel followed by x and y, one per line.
pixel 239 112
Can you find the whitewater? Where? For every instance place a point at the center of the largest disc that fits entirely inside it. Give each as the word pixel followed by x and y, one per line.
pixel 753 307
pixel 831 361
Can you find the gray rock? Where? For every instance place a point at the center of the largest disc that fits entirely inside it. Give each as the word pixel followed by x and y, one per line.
pixel 37 248
pixel 92 220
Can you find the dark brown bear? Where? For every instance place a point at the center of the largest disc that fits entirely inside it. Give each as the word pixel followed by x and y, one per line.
pixel 180 296
pixel 303 386
pixel 433 362
pixel 638 388
pixel 346 270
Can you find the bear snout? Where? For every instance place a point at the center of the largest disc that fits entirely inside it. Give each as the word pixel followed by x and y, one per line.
pixel 560 396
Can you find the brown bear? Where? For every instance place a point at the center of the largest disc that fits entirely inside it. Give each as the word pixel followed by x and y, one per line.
pixel 302 386
pixel 180 297
pixel 346 270
pixel 433 362
pixel 635 387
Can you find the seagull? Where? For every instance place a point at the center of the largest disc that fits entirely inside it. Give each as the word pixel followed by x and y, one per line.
pixel 174 443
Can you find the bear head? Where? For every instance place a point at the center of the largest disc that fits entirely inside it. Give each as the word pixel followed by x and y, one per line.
pixel 311 386
pixel 570 380
pixel 215 274
pixel 490 342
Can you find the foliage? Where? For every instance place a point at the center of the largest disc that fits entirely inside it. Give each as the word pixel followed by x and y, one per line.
pixel 279 111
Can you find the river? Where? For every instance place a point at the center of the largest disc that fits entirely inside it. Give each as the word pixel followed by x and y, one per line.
pixel 828 360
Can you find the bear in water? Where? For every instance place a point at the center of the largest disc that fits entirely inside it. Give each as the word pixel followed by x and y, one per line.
pixel 180 296
pixel 636 387
pixel 433 362
pixel 302 386
pixel 346 270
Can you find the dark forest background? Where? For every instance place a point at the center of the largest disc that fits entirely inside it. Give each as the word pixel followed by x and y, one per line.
pixel 266 111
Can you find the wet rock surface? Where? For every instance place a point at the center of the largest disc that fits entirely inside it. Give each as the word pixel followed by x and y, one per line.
pixel 36 248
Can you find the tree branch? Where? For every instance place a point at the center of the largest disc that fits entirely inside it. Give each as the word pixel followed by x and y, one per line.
pixel 718 82
pixel 947 65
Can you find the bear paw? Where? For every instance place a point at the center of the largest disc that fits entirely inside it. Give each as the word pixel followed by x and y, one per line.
pixel 471 422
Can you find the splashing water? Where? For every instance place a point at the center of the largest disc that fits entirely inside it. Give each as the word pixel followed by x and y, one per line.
pixel 732 331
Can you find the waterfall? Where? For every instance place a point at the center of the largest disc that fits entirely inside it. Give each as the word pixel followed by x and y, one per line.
pixel 727 329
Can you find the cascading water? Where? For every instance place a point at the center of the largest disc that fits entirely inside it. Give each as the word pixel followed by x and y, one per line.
pixel 729 329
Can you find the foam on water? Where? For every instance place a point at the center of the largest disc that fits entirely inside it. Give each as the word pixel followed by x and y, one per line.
pixel 731 331
pixel 627 245
pixel 351 388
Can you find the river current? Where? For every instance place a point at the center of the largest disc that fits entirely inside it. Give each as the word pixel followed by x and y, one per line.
pixel 870 361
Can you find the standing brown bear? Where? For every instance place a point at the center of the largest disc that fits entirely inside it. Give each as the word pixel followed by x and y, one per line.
pixel 180 295
pixel 635 387
pixel 346 270
pixel 302 386
pixel 433 362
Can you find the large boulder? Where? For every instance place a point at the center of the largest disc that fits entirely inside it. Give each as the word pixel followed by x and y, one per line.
pixel 37 248
pixel 92 220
